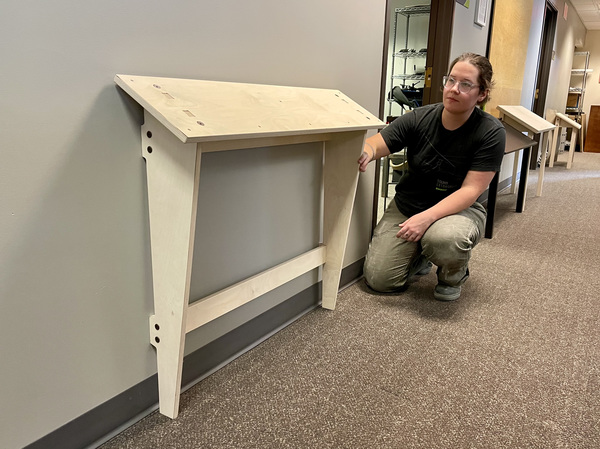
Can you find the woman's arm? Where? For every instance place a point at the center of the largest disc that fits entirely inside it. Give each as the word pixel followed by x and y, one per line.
pixel 375 148
pixel 472 187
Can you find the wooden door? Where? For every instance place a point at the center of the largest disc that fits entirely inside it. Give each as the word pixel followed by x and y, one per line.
pixel 592 139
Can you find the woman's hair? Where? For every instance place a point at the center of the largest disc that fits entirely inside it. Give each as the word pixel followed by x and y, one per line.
pixel 485 72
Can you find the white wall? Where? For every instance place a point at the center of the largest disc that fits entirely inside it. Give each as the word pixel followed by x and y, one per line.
pixel 533 53
pixel 570 32
pixel 75 279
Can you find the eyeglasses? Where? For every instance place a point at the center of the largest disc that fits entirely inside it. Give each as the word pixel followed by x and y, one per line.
pixel 463 86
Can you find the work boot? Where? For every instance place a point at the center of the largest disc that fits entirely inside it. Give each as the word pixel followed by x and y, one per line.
pixel 446 293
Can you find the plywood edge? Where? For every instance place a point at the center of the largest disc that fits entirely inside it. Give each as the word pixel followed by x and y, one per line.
pixel 120 81
pixel 526 118
pixel 203 111
pixel 568 121
pixel 230 298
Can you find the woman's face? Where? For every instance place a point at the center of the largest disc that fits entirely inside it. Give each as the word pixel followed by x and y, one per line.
pixel 459 102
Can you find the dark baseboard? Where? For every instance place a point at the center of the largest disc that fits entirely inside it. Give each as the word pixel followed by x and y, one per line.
pixel 96 426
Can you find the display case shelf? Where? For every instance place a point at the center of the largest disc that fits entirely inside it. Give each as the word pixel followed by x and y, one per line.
pixel 409 76
pixel 578 82
pixel 410 54
pixel 414 10
pixel 581 71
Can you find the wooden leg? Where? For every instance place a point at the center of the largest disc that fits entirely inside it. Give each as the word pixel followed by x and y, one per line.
pixel 340 178
pixel 543 146
pixel 173 170
pixel 513 184
pixel 572 148
pixel 555 133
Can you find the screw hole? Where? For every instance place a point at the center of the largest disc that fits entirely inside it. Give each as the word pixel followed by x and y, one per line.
pixel 149 134
pixel 157 327
pixel 200 123
pixel 149 149
pixel 157 340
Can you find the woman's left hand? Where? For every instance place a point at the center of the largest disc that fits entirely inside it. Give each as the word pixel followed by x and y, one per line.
pixel 413 229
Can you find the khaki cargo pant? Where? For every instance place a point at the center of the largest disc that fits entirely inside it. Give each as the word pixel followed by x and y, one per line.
pixel 448 242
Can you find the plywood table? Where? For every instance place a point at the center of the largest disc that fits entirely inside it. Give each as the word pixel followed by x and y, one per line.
pixel 184 119
pixel 524 120
pixel 562 121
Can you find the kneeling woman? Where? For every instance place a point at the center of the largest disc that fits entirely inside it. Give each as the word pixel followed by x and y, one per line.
pixel 453 151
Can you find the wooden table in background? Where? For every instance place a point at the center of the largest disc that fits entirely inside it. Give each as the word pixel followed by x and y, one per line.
pixel 515 141
pixel 524 120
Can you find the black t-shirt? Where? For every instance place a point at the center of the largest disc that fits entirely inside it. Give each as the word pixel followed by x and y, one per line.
pixel 438 159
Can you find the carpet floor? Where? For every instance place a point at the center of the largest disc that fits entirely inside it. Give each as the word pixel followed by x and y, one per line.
pixel 514 363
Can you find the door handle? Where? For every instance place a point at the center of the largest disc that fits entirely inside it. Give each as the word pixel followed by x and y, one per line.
pixel 428 72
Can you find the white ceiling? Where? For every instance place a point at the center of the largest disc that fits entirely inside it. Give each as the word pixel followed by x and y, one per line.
pixel 589 12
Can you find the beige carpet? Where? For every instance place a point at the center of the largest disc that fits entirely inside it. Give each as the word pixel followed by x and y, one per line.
pixel 513 364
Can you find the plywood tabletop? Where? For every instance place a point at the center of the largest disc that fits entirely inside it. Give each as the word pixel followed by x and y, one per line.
pixel 516 140
pixel 201 111
pixel 568 120
pixel 525 117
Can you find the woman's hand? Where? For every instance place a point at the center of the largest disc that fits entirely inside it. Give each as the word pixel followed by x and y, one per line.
pixel 364 160
pixel 374 148
pixel 413 229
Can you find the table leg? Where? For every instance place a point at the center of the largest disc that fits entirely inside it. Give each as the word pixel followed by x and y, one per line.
pixel 555 133
pixel 173 171
pixel 491 206
pixel 513 184
pixel 523 181
pixel 340 179
pixel 572 147
pixel 543 146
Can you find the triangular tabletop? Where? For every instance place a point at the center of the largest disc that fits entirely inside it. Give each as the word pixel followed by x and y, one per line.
pixel 202 111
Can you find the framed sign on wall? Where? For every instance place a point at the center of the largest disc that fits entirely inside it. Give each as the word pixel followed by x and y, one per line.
pixel 481 12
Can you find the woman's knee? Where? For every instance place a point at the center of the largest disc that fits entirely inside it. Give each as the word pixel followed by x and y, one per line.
pixel 377 282
pixel 445 244
pixel 379 279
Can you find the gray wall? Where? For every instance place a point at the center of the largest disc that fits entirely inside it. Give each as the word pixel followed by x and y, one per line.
pixel 75 279
pixel 466 34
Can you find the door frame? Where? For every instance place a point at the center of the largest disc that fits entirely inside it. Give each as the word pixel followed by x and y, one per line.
pixel 543 69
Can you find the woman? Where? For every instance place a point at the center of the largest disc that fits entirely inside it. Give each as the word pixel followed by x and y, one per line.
pixel 453 151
